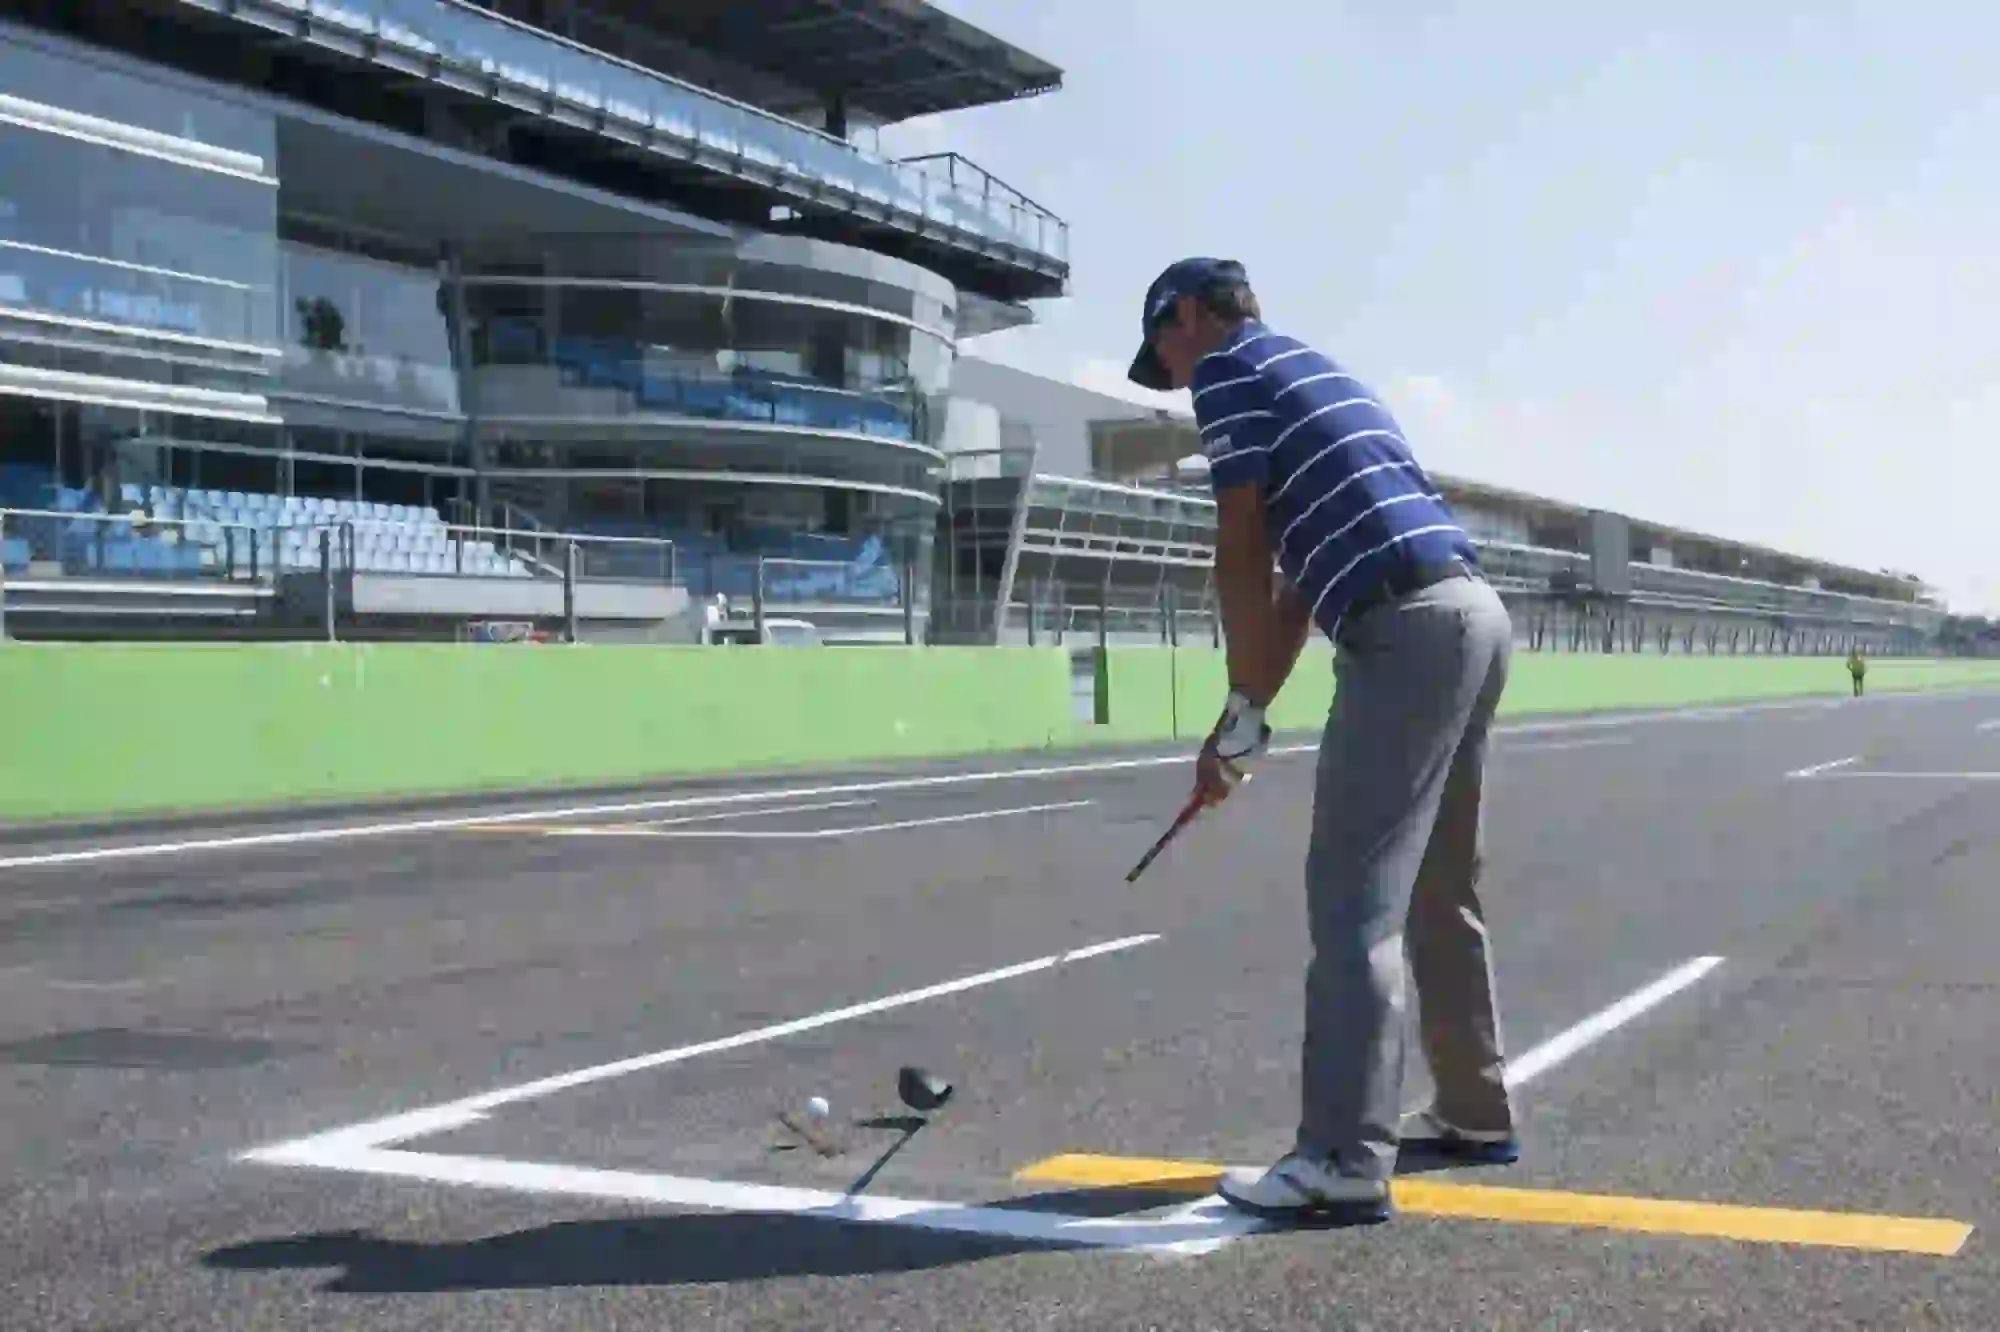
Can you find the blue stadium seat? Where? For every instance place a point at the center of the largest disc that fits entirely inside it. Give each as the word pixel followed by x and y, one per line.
pixel 23 485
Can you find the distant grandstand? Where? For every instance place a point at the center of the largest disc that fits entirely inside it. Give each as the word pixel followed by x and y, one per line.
pixel 1031 554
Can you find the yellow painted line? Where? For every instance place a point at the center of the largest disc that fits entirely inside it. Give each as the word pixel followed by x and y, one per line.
pixel 1478 1202
pixel 1122 1172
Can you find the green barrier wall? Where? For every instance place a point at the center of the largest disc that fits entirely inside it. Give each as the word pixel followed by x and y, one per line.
pixel 121 729
pixel 1539 682
pixel 93 729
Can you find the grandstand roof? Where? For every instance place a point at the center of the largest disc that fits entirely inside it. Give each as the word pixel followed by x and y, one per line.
pixel 888 59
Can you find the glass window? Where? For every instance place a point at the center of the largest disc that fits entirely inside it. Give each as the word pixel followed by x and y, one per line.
pixel 622 350
pixel 94 90
pixel 135 240
pixel 359 330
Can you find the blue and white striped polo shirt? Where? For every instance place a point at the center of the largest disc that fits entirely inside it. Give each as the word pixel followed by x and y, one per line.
pixel 1344 500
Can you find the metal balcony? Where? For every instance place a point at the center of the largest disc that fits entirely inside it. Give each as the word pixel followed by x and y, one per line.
pixel 1021 248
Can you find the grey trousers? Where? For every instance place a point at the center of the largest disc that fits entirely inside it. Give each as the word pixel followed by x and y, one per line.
pixel 1393 872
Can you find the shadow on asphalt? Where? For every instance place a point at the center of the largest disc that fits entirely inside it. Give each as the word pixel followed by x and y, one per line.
pixel 642 1251
pixel 691 1249
pixel 686 1249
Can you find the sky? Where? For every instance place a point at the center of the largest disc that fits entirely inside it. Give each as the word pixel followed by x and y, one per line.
pixel 1726 266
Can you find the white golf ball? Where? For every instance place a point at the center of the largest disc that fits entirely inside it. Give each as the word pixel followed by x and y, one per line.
pixel 818 1108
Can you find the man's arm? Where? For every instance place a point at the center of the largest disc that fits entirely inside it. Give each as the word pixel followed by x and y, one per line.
pixel 1265 621
pixel 1293 616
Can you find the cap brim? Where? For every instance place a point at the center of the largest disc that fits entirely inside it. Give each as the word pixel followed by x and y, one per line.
pixel 1147 372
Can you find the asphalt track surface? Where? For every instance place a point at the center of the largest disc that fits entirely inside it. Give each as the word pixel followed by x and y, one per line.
pixel 200 1045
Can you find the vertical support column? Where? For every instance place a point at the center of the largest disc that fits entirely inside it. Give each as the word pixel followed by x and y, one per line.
pixel 1104 612
pixel 569 592
pixel 1102 674
pixel 471 445
pixel 326 582
pixel 1017 527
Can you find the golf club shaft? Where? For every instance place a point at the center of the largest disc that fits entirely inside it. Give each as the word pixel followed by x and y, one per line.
pixel 1181 820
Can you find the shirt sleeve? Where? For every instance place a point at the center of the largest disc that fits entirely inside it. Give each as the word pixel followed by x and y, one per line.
pixel 1234 411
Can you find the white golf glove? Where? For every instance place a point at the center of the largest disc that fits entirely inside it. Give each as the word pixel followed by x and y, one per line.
pixel 1241 734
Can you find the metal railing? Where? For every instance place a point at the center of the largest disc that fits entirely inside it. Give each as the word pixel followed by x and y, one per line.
pixel 478 551
pixel 456 43
pixel 546 553
pixel 55 543
pixel 523 378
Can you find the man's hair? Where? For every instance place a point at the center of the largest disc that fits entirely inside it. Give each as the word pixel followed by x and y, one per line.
pixel 1232 302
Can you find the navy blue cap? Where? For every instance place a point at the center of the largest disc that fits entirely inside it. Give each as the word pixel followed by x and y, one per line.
pixel 1189 277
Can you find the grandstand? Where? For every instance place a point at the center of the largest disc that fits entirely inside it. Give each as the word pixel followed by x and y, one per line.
pixel 1032 552
pixel 455 306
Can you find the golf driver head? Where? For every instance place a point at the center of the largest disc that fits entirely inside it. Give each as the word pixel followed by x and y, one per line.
pixel 922 1091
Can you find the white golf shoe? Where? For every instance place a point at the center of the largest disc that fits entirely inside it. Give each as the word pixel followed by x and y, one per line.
pixel 1299 1189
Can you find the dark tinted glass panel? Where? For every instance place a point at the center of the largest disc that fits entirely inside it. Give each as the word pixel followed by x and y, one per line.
pixel 100 234
pixel 364 331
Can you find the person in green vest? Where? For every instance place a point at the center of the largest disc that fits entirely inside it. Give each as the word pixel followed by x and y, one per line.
pixel 1858 668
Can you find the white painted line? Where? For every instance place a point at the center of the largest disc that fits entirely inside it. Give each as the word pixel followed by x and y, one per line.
pixel 400 1128
pixel 770 812
pixel 1993 725
pixel 366 1149
pixel 1821 768
pixel 1595 1028
pixel 1198 1227
pixel 805 834
pixel 364 831
pixel 1876 775
pixel 1562 746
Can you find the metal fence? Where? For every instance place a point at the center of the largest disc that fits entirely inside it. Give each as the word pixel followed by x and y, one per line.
pixel 49 543
pixel 544 553
pixel 47 557
pixel 1545 623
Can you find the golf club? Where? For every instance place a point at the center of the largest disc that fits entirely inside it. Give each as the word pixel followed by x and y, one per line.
pixel 920 1091
pixel 1181 821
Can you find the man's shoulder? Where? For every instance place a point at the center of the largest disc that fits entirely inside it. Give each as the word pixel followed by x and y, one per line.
pixel 1248 348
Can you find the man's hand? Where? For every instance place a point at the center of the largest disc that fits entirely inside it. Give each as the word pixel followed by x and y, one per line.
pixel 1240 735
